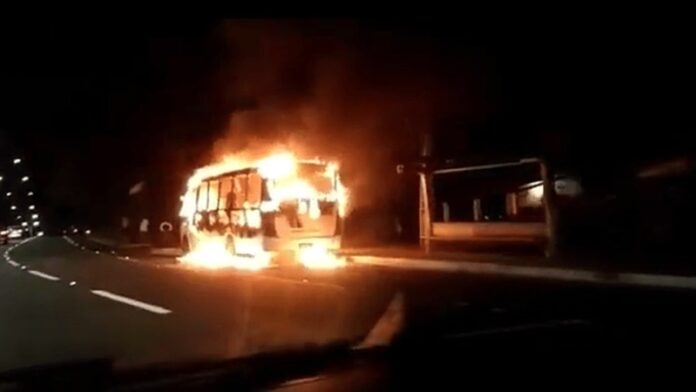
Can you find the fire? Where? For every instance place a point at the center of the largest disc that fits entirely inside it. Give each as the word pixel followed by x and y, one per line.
pixel 212 253
pixel 318 257
pixel 286 180
pixel 282 168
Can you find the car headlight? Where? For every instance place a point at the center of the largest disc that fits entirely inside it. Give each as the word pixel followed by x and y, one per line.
pixel 3 232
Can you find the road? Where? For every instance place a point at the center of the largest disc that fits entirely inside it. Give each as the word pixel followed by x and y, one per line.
pixel 71 304
pixel 62 303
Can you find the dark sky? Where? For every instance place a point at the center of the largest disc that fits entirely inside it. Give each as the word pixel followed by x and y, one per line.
pixel 97 106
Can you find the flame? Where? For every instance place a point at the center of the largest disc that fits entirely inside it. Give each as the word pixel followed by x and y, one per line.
pixel 280 167
pixel 318 257
pixel 283 183
pixel 213 254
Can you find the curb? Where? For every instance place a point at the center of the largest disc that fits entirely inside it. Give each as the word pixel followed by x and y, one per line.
pixel 563 274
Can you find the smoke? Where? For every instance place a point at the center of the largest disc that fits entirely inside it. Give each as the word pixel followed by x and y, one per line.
pixel 335 90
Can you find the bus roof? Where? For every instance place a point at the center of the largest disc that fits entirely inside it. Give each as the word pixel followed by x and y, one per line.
pixel 252 169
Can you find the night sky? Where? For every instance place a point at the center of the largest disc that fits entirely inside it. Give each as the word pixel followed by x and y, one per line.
pixel 96 107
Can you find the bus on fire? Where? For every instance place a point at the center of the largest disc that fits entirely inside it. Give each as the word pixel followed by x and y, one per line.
pixel 252 215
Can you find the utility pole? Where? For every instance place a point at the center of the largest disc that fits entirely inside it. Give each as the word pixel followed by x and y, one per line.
pixel 426 195
pixel 550 209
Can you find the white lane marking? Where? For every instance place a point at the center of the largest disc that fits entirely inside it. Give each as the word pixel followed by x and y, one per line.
pixel 72 283
pixel 13 263
pixel 131 302
pixel 301 381
pixel 69 240
pixel 43 275
pixel 566 274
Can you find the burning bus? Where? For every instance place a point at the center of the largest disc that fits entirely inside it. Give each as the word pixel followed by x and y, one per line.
pixel 251 214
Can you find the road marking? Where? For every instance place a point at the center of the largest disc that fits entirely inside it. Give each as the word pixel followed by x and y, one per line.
pixel 43 275
pixel 13 263
pixel 69 240
pixel 301 381
pixel 131 302
pixel 565 274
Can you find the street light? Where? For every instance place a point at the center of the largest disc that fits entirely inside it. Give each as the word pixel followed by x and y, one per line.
pixel 17 161
pixel 13 207
pixel 36 223
pixel 25 178
pixel 31 207
pixel 8 194
pixel 19 217
pixel 30 193
pixel 35 216
pixel 24 224
pixel 0 178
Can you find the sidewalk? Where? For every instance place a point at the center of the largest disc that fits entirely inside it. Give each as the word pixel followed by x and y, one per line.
pixel 97 242
pixel 527 266
pixel 120 247
pixel 660 264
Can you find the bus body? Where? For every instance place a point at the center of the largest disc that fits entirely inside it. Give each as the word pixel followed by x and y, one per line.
pixel 256 214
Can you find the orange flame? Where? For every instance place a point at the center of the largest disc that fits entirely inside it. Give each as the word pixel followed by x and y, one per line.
pixel 284 183
pixel 318 257
pixel 212 253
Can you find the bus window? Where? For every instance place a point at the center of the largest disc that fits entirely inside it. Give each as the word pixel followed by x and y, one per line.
pixel 213 193
pixel 226 196
pixel 240 189
pixel 202 202
pixel 254 195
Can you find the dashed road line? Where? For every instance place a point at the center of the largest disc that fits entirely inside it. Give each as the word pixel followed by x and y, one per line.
pixel 43 275
pixel 132 302
pixel 69 240
pixel 13 263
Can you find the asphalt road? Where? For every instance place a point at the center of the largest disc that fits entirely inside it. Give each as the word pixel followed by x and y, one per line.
pixel 61 303
pixel 143 313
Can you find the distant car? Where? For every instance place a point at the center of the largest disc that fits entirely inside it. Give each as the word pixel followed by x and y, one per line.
pixel 14 233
